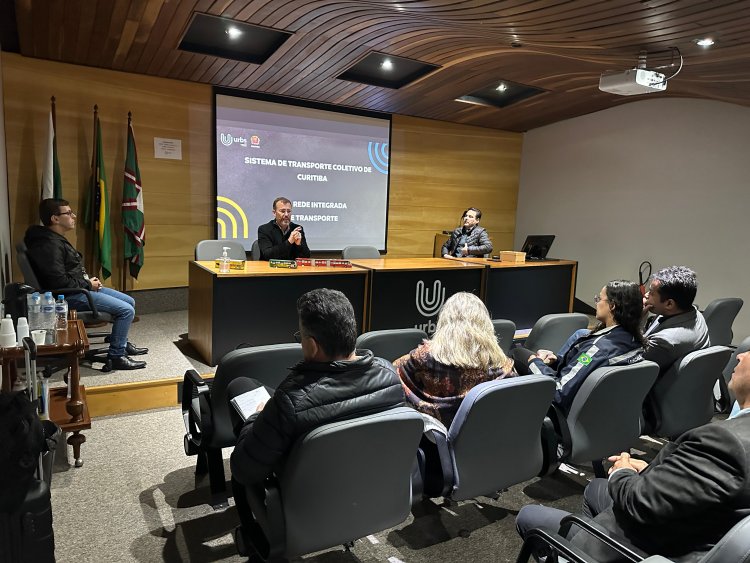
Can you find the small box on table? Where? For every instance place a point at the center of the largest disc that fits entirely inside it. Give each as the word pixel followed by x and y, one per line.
pixel 511 256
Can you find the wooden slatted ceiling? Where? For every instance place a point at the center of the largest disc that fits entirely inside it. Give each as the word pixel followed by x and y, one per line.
pixel 565 47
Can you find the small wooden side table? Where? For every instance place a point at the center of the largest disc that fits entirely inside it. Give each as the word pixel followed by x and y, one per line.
pixel 69 413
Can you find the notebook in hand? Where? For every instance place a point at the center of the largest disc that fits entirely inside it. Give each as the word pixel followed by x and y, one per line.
pixel 247 403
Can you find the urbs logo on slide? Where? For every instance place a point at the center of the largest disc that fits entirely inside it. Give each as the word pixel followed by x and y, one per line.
pixel 227 139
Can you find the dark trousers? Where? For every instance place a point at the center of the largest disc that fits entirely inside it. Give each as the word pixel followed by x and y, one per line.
pixel 596 499
pixel 250 528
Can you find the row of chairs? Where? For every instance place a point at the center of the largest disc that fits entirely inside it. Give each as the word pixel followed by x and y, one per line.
pixel 682 398
pixel 361 473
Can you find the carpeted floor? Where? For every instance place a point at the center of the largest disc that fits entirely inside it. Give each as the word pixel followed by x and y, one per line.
pixel 136 499
pixel 170 354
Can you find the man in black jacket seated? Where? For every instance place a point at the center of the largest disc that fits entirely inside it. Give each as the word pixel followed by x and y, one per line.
pixel 333 382
pixel 679 505
pixel 58 265
pixel 280 238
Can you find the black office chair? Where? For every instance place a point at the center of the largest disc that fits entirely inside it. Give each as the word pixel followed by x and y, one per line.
pixel 391 343
pixel 683 397
pixel 342 481
pixel 605 416
pixel 505 330
pixel 494 441
pixel 734 547
pixel 205 409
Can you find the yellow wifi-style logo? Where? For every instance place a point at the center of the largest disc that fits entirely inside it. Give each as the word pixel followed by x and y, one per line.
pixel 230 212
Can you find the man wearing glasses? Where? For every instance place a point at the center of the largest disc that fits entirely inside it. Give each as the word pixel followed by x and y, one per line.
pixel 678 327
pixel 58 265
pixel 333 382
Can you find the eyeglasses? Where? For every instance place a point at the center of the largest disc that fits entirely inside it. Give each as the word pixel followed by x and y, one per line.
pixel 598 298
pixel 71 213
pixel 298 337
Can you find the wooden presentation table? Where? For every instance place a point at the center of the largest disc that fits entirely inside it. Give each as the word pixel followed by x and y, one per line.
pixel 524 291
pixel 408 292
pixel 69 413
pixel 258 305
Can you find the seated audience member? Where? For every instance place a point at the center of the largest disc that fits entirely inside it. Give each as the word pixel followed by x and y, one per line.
pixel 677 328
pixel 462 353
pixel 333 382
pixel 280 238
pixel 679 505
pixel 58 265
pixel 616 341
pixel 469 239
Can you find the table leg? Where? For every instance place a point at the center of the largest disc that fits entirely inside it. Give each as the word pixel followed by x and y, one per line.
pixel 75 440
pixel 74 406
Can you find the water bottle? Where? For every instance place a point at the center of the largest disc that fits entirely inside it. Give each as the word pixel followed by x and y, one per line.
pixel 224 264
pixel 48 315
pixel 61 313
pixel 35 311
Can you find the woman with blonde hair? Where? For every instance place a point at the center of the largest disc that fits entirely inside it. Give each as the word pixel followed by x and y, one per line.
pixel 462 353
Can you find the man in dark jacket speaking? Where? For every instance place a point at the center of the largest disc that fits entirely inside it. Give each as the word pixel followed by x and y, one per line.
pixel 58 265
pixel 333 382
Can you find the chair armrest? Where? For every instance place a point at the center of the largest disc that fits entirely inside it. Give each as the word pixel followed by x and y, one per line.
pixel 276 523
pixel 446 464
pixel 560 424
pixel 600 534
pixel 538 539
pixel 194 387
pixel 78 291
pixel 550 442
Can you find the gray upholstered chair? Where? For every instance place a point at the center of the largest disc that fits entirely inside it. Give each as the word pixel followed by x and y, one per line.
pixel 551 331
pixel 605 416
pixel 351 252
pixel 205 408
pixel 255 251
pixel 734 547
pixel 495 438
pixel 392 343
pixel 504 330
pixel 720 315
pixel 683 397
pixel 212 249
pixel 342 481
pixel 727 397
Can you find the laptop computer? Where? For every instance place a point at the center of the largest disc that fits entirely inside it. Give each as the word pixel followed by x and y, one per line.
pixel 536 247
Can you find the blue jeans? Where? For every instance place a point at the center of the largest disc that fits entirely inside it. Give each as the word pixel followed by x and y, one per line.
pixel 119 305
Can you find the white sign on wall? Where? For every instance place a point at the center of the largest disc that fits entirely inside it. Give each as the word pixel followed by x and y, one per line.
pixel 167 148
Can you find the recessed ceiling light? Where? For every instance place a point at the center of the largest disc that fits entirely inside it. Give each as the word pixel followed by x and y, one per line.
pixel 705 42
pixel 233 32
pixel 502 87
pixel 386 64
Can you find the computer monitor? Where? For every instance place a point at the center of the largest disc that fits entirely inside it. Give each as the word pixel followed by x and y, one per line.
pixel 536 247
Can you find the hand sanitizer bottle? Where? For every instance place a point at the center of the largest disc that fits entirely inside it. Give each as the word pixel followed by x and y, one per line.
pixel 224 264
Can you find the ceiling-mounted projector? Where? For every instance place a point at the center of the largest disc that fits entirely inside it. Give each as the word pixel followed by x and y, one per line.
pixel 631 82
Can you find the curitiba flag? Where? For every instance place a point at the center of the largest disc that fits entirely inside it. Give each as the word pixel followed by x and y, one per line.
pixel 97 209
pixel 132 208
pixel 51 182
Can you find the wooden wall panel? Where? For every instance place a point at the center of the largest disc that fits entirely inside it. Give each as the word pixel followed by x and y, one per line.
pixel 439 169
pixel 177 193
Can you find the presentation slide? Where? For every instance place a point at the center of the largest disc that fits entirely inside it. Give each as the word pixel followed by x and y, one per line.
pixel 332 166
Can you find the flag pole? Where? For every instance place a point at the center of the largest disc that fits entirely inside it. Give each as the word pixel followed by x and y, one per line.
pixel 124 258
pixel 92 201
